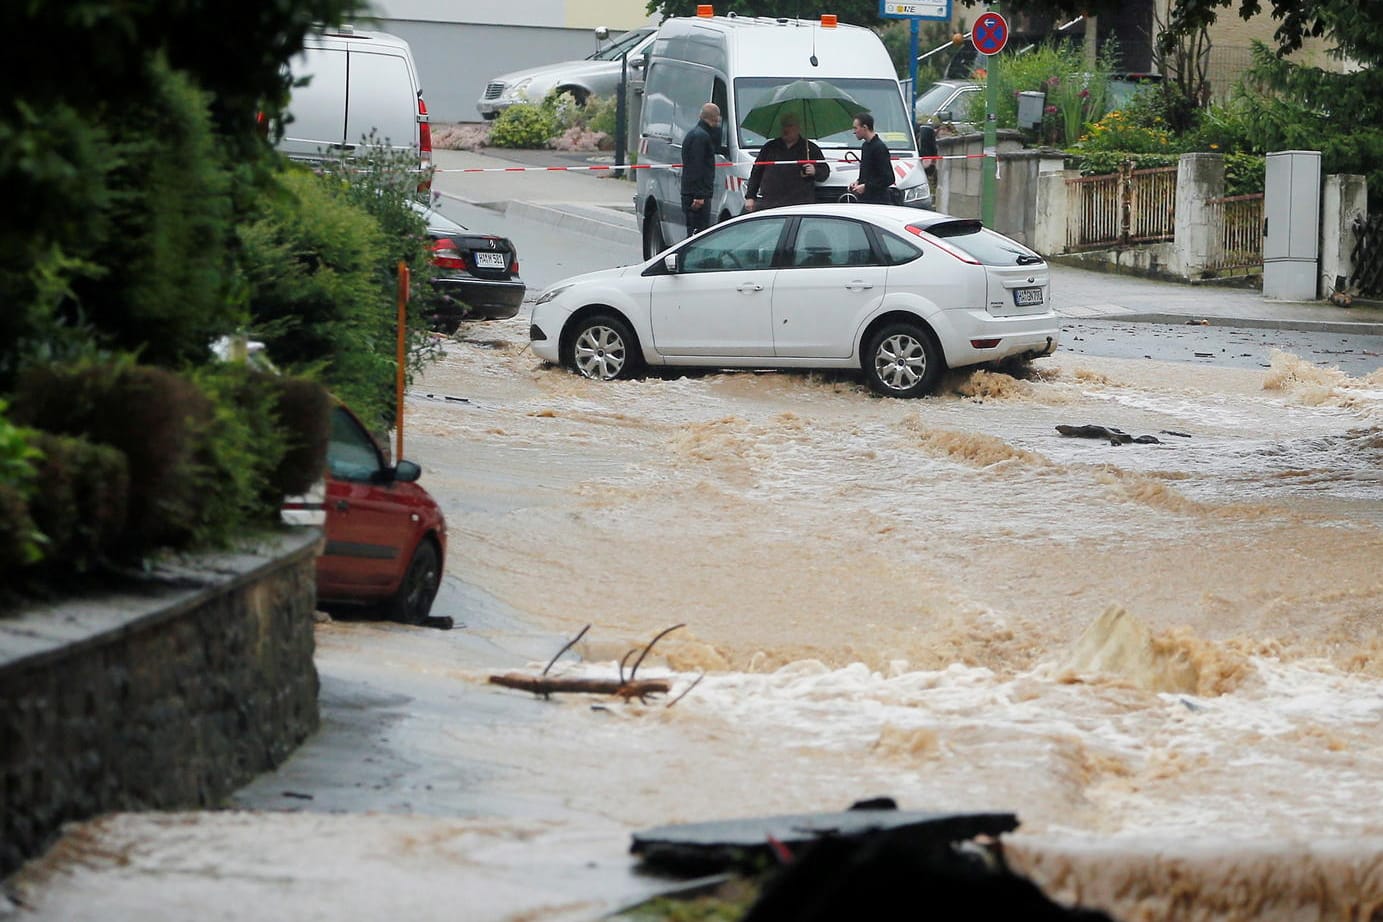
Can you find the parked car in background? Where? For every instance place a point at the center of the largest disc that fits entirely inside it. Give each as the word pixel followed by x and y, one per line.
pixel 947 102
pixel 1124 86
pixel 596 75
pixel 354 84
pixel 477 274
pixel 386 537
pixel 898 293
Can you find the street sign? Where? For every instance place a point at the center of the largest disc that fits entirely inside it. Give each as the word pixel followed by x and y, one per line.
pixel 990 33
pixel 938 10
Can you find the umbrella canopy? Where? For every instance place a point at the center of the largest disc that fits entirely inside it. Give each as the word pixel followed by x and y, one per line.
pixel 821 110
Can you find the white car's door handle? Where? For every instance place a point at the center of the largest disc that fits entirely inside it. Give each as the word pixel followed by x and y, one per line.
pixel 857 285
pixel 751 286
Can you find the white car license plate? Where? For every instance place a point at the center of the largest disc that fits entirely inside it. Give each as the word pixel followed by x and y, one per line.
pixel 496 261
pixel 1026 297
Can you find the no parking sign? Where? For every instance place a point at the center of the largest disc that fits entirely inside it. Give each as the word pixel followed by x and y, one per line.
pixel 989 33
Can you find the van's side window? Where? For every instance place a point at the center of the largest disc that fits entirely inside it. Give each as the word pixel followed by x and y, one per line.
pixel 658 112
pixel 722 99
pixel 690 89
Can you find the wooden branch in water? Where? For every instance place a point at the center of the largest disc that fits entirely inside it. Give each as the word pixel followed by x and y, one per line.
pixel 570 643
pixel 543 685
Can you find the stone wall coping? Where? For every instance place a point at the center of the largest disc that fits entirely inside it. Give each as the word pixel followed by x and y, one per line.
pixel 45 632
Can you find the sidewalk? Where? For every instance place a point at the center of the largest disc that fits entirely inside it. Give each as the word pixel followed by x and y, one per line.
pixel 599 205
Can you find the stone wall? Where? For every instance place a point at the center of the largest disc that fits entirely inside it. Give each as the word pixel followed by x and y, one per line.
pixel 1016 200
pixel 166 697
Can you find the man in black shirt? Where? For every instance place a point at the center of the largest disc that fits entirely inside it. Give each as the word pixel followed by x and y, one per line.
pixel 699 168
pixel 876 169
pixel 780 177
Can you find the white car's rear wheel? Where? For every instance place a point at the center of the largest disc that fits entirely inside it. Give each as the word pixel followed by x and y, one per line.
pixel 603 348
pixel 901 360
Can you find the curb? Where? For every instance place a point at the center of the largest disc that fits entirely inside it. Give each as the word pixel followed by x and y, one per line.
pixel 614 230
pixel 1342 327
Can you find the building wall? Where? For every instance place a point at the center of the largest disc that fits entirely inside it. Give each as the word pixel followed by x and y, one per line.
pixel 458 47
pixel 1232 39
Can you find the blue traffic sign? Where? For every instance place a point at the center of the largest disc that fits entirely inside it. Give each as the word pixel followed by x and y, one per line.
pixel 990 33
pixel 937 10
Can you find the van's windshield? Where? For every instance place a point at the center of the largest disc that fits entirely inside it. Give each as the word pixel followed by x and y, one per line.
pixel 879 97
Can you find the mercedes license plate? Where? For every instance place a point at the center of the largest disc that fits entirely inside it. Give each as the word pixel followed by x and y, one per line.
pixel 496 261
pixel 1026 297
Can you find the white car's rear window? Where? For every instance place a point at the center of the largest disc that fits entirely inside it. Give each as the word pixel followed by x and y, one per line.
pixel 990 248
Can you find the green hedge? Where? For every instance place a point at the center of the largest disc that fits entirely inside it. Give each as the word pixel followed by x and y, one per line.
pixel 314 267
pixel 133 458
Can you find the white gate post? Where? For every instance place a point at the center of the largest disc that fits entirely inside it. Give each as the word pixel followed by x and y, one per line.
pixel 1200 177
pixel 1052 211
pixel 1346 200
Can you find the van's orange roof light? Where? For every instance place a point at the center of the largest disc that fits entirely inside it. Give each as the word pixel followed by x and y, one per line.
pixel 828 20
pixel 705 10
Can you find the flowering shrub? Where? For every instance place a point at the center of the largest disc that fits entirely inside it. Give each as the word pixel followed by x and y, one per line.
pixel 1117 132
pixel 460 137
pixel 578 138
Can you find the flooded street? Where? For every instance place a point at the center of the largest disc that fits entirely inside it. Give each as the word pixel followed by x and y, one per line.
pixel 946 601
pixel 1166 658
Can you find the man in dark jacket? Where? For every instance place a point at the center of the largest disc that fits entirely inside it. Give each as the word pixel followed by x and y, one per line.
pixel 779 176
pixel 699 168
pixel 876 169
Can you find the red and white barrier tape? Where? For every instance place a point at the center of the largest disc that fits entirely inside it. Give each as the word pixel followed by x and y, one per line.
pixel 670 166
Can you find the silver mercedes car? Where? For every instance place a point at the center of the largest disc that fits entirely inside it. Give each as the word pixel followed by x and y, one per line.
pixel 597 75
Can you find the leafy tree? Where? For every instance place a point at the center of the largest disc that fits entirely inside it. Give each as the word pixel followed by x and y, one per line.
pixel 1356 28
pixel 92 90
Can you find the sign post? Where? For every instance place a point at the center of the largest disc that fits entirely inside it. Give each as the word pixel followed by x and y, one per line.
pixel 915 10
pixel 990 35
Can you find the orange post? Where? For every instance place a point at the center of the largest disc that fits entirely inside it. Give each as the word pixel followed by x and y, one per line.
pixel 402 360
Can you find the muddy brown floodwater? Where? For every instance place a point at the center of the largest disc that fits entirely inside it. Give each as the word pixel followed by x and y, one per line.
pixel 1167 659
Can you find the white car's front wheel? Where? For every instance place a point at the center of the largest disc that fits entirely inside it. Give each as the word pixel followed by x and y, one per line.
pixel 902 360
pixel 603 348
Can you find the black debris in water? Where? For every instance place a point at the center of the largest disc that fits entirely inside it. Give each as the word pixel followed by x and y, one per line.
pixel 1109 433
pixel 694 849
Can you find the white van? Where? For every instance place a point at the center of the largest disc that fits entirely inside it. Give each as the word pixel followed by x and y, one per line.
pixel 737 62
pixel 359 82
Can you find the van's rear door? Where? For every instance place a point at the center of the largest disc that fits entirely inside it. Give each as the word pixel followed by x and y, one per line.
pixel 318 124
pixel 383 97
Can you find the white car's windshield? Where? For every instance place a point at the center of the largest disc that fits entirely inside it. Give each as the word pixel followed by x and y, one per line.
pixel 880 98
pixel 622 44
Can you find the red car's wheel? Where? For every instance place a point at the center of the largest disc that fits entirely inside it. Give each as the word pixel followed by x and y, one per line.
pixel 413 601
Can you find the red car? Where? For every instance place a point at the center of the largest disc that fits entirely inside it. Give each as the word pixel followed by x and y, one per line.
pixel 386 537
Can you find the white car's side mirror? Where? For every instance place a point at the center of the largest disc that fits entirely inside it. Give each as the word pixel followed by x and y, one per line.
pixel 670 263
pixel 601 33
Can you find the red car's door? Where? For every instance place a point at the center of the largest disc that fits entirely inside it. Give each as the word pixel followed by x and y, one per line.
pixel 369 530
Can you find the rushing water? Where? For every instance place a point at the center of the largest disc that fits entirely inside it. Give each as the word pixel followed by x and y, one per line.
pixel 1135 647
pixel 1166 658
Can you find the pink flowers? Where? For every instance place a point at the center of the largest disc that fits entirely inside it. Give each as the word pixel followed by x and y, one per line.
pixel 1053 81
pixel 1051 110
pixel 1084 94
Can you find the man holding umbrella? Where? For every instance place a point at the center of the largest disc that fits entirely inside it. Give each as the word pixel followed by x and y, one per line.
pixel 780 177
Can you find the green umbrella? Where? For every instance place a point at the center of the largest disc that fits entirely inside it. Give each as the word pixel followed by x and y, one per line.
pixel 821 110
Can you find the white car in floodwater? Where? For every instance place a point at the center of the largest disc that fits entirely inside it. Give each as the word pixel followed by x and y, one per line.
pixel 900 294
